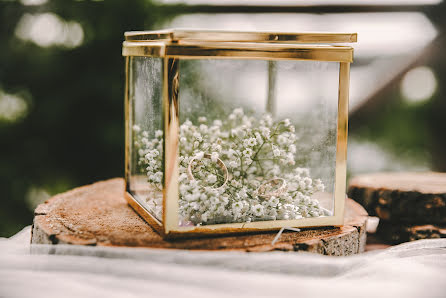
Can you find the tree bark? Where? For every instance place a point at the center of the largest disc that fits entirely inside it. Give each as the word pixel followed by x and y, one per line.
pixel 411 198
pixel 397 233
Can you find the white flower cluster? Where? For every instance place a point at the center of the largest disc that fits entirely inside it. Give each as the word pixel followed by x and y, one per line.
pixel 150 155
pixel 254 151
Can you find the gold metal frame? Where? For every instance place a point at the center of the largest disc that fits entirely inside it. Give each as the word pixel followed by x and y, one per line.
pixel 232 50
pixel 173 45
pixel 181 35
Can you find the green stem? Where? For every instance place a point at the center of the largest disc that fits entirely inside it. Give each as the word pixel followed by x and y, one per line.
pixel 261 168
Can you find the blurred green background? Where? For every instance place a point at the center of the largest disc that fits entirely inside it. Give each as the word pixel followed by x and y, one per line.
pixel 61 100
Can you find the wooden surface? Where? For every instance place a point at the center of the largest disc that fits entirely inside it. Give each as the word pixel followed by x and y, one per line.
pixel 395 233
pixel 98 214
pixel 413 198
pixel 411 206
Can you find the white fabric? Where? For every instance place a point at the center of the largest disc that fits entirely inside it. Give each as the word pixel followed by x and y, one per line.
pixel 416 269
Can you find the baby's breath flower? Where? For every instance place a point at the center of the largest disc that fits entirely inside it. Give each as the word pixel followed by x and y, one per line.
pixel 216 147
pixel 237 206
pixel 203 128
pixel 233 164
pixel 241 133
pixel 235 183
pixel 231 153
pixel 235 141
pixel 257 210
pixel 290 159
pixel 258 138
pixel 214 156
pixel 200 155
pixel 252 142
pixel 273 201
pixel 204 217
pixel 268 119
pixel 247 152
pixel 242 193
pixel 282 140
pixel 247 161
pixel 212 179
pixel 238 112
pixel 158 133
pixel 136 128
pixel 198 136
pixel 265 132
pixel 224 134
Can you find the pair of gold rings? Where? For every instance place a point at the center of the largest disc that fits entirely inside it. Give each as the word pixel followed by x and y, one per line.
pixel 272 187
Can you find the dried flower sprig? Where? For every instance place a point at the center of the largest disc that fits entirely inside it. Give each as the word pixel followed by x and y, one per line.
pixel 254 151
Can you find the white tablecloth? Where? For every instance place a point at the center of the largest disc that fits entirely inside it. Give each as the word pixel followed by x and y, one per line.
pixel 416 269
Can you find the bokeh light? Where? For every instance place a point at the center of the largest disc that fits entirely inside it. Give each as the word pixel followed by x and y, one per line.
pixel 12 108
pixel 33 2
pixel 36 196
pixel 419 84
pixel 48 29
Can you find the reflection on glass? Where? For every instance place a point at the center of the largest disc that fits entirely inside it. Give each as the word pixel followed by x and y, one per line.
pixel 239 159
pixel 145 118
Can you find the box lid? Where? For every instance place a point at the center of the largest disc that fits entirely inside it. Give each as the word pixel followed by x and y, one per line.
pixel 187 35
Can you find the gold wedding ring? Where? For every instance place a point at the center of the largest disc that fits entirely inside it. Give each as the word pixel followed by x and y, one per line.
pixel 219 162
pixel 262 190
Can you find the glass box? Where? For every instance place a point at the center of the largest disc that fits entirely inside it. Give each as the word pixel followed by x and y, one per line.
pixel 235 132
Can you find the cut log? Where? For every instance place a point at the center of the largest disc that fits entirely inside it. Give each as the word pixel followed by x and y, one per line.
pixel 398 233
pixel 414 198
pixel 98 214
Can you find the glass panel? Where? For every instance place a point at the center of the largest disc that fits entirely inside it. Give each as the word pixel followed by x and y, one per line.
pixel 146 137
pixel 257 140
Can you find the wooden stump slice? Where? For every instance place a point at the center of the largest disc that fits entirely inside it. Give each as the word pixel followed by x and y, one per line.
pixel 98 214
pixel 398 233
pixel 412 198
